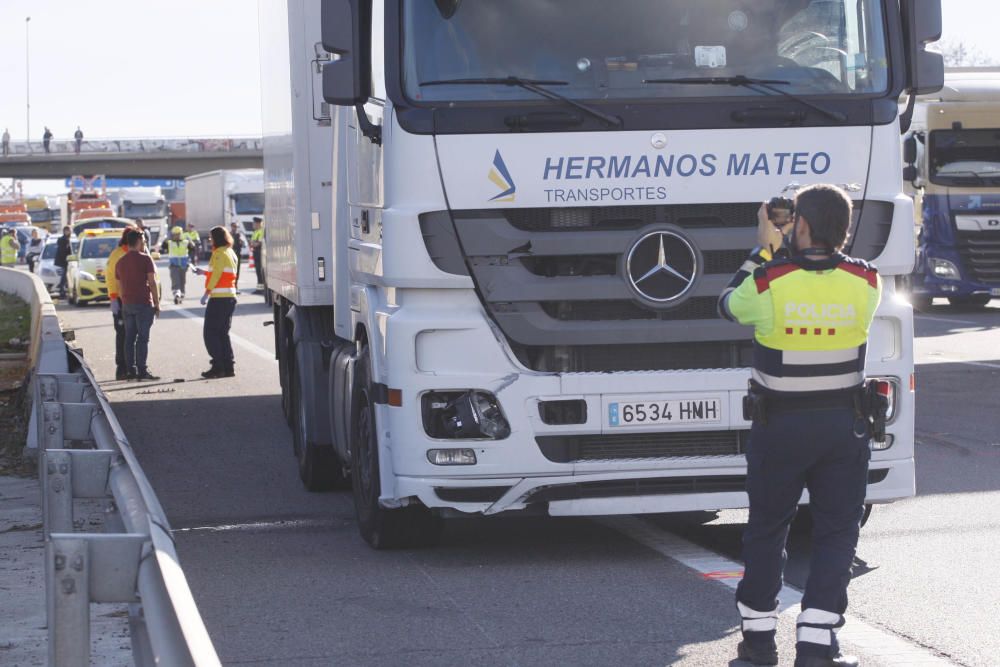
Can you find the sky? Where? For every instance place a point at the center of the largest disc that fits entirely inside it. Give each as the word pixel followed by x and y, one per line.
pixel 154 68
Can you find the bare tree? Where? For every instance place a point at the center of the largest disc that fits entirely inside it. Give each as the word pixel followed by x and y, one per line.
pixel 959 54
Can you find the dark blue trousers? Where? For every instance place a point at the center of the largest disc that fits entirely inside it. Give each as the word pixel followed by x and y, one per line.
pixel 824 451
pixel 218 320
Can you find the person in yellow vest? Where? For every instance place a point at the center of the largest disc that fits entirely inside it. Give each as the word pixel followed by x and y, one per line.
pixel 811 309
pixel 178 250
pixel 8 248
pixel 257 248
pixel 219 300
pixel 114 295
pixel 195 238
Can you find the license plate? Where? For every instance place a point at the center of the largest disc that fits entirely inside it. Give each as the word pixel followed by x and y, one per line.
pixel 664 411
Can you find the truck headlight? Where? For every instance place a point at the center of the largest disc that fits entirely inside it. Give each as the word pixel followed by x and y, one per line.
pixel 944 269
pixel 464 415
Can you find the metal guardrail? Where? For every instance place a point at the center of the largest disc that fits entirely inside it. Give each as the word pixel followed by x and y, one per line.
pixel 83 453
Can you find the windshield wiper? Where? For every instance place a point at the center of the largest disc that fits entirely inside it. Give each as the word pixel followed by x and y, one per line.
pixel 748 82
pixel 535 86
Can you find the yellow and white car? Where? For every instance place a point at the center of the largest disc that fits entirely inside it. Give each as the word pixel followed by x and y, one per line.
pixel 85 274
pixel 85 271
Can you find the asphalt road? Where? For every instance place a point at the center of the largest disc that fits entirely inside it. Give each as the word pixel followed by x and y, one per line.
pixel 282 577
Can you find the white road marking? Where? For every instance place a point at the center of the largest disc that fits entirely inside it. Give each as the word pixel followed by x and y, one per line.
pixel 239 340
pixel 950 360
pixel 945 319
pixel 875 642
pixel 258 525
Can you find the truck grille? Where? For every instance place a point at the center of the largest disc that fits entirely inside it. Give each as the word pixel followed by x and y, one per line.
pixel 631 217
pixel 980 252
pixel 573 448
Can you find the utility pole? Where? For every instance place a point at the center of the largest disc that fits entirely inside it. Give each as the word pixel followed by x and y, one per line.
pixel 27 75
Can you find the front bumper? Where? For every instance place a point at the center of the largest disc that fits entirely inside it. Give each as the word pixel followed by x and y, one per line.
pixel 446 343
pixel 92 290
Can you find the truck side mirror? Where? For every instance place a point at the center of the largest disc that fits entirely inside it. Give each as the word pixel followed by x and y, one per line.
pixel 344 25
pixel 925 70
pixel 910 151
pixel 909 173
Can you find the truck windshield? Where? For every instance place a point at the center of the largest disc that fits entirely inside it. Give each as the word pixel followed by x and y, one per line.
pixel 41 215
pixel 605 50
pixel 145 211
pixel 966 158
pixel 248 203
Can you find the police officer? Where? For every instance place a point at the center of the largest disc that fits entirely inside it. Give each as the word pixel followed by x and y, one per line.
pixel 257 247
pixel 811 308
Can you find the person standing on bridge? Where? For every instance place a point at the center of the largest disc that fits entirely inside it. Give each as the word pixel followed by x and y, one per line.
pixel 9 248
pixel 46 138
pixel 136 276
pixel 811 311
pixel 78 139
pixel 6 142
pixel 220 303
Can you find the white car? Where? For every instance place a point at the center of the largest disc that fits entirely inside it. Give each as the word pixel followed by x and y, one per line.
pixel 46 268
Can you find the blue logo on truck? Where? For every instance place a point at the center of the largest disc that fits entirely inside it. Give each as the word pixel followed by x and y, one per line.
pixel 502 179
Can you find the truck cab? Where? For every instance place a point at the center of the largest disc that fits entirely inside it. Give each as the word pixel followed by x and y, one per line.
pixel 495 253
pixel 953 168
pixel 148 205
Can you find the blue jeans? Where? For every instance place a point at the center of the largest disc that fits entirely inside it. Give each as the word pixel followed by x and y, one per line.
pixel 62 281
pixel 138 321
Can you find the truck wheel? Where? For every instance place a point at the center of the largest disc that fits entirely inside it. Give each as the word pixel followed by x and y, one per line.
pixel 382 528
pixel 974 301
pixel 319 469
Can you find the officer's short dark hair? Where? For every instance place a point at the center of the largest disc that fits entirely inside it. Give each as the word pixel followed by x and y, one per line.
pixel 133 238
pixel 827 210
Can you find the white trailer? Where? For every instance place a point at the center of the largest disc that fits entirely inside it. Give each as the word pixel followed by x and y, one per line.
pixel 222 197
pixel 147 204
pixel 533 210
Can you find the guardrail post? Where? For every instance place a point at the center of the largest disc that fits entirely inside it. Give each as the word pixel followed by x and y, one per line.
pixel 57 492
pixel 52 427
pixel 68 601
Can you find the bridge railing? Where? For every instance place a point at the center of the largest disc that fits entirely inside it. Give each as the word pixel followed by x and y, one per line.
pixel 35 149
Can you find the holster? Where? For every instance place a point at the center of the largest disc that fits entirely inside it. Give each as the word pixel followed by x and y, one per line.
pixel 874 408
pixel 755 404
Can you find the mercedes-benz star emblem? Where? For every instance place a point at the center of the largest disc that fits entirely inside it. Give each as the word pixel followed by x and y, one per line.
pixel 661 266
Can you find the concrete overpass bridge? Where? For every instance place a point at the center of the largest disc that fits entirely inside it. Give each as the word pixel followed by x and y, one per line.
pixel 131 158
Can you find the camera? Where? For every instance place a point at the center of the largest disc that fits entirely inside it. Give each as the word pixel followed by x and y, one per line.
pixel 780 210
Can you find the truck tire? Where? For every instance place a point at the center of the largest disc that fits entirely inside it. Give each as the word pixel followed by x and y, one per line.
pixel 318 466
pixel 284 349
pixel 382 528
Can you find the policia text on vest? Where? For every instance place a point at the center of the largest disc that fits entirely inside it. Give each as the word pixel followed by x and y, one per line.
pixel 811 308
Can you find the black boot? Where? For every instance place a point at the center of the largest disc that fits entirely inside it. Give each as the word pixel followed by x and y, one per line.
pixel 762 653
pixel 228 371
pixel 213 372
pixel 839 660
pixel 121 373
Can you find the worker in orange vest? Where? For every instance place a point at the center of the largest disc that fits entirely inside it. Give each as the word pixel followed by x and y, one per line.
pixel 220 303
pixel 116 304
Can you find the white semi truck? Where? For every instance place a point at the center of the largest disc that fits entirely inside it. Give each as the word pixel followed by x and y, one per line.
pixel 222 197
pixel 497 231
pixel 147 204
